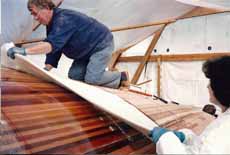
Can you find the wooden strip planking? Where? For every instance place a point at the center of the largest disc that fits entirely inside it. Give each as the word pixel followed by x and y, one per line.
pixel 100 143
pixel 69 140
pixel 43 96
pixel 72 125
pixel 44 106
pixel 71 130
pixel 35 124
pixel 23 88
pixel 67 110
pixel 77 114
pixel 52 144
pixel 45 110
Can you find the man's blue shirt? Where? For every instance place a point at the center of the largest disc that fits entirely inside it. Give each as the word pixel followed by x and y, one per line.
pixel 74 34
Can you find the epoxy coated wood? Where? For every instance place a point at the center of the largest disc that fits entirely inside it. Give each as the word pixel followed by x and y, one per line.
pixel 45 118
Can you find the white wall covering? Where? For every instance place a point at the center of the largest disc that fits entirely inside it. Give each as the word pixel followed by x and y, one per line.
pixel 16 21
pixel 0 18
pixel 113 13
pixel 184 82
pixel 185 36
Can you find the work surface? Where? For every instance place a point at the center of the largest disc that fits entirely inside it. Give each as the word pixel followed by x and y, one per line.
pixel 45 118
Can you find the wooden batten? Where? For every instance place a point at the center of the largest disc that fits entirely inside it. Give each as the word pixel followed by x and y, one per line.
pixel 163 22
pixel 159 76
pixel 147 55
pixel 175 57
pixel 200 11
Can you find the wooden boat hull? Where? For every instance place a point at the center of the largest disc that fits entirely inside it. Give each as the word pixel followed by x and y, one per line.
pixel 42 117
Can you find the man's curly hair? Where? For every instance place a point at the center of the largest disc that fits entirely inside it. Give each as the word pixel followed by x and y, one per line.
pixel 218 71
pixel 41 4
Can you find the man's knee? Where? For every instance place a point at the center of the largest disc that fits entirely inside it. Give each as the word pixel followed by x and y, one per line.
pixel 75 76
pixel 92 80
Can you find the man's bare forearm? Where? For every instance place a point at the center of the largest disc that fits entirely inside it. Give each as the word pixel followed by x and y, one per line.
pixel 41 48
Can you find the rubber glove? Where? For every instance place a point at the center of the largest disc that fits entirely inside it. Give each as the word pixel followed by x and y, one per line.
pixel 12 51
pixel 157 132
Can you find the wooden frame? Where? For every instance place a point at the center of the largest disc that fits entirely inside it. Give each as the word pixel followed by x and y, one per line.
pixel 176 57
pixel 147 55
pixel 172 58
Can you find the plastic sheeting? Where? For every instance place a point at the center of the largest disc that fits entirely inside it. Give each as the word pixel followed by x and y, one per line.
pixel 17 24
pixel 184 82
pixel 16 21
pixel 113 13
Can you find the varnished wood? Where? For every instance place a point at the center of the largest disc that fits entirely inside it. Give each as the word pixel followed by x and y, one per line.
pixel 45 118
pixel 167 115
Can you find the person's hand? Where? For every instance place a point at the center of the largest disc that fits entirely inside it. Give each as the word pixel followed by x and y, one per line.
pixel 15 50
pixel 157 132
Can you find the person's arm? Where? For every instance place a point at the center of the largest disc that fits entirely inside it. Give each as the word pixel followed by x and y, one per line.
pixel 172 141
pixel 41 48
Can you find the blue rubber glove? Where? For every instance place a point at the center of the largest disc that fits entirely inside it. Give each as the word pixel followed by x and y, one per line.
pixel 12 51
pixel 157 132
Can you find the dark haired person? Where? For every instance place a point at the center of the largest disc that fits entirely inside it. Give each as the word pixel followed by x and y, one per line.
pixel 215 139
pixel 210 109
pixel 81 38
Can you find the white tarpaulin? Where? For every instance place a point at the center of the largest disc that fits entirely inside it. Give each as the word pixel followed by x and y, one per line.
pixel 185 36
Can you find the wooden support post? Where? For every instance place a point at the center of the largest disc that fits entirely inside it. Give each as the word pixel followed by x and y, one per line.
pixel 116 55
pixel 159 76
pixel 147 55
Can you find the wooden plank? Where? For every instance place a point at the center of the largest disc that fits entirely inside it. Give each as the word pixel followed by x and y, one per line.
pixel 147 55
pixel 176 57
pixel 159 76
pixel 38 128
pixel 162 22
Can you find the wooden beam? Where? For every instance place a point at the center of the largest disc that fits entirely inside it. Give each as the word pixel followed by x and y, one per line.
pixel 147 55
pixel 143 25
pixel 159 76
pixel 176 57
pixel 196 12
pixel 199 11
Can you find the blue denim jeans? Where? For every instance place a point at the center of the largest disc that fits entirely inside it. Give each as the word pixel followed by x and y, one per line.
pixel 93 71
